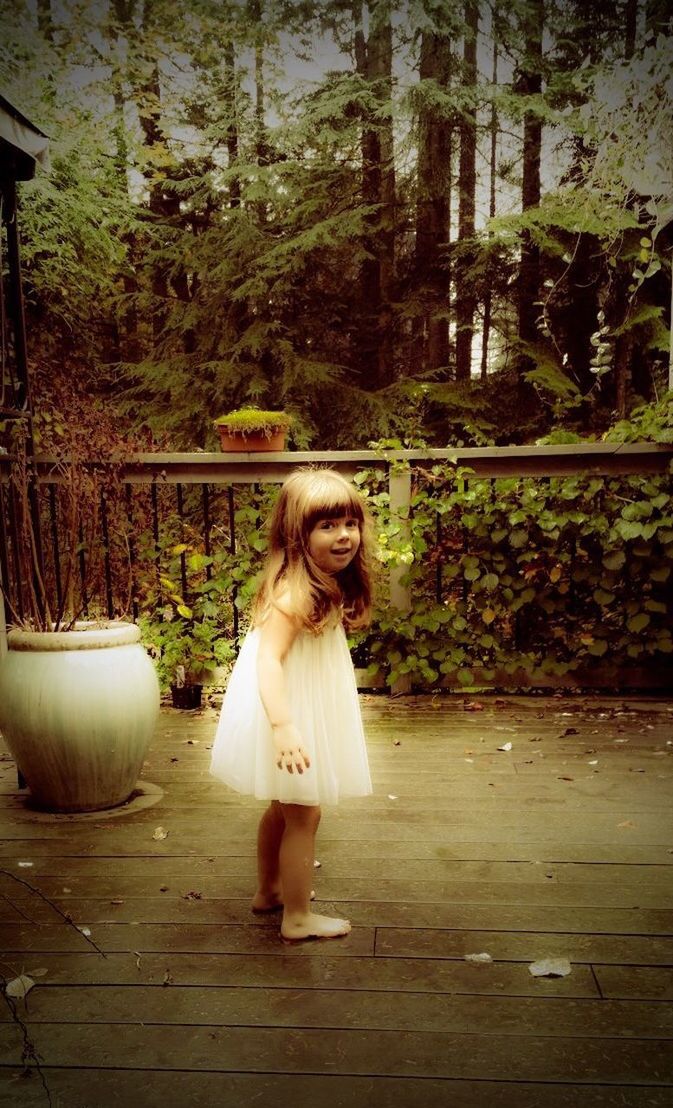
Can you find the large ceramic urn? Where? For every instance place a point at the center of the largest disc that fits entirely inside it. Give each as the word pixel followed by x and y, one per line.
pixel 78 710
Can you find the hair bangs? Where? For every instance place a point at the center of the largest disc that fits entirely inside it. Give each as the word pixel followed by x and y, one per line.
pixel 330 499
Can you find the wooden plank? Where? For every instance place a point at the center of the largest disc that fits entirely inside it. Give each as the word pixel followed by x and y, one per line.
pixel 321 970
pixel 255 938
pixel 625 982
pixel 427 870
pixel 384 1053
pixel 582 948
pixel 133 890
pixel 555 1017
pixel 29 849
pixel 108 1088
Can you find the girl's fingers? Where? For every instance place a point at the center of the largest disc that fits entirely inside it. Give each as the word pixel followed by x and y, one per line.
pixel 289 759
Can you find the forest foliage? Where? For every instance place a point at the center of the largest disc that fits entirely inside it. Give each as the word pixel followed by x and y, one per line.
pixel 446 222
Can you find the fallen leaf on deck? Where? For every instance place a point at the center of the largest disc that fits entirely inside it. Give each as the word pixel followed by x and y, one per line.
pixel 85 931
pixel 550 967
pixel 24 865
pixel 19 986
pixel 570 731
pixel 391 796
pixel 505 746
pixel 317 864
pixel 594 763
pixel 160 833
pixel 396 742
pixel 163 888
pixel 626 823
pixel 117 900
pixel 483 957
pixel 565 778
pixel 42 972
pixel 473 706
pixel 138 957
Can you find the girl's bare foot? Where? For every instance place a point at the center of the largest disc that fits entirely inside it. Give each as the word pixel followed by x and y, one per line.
pixel 313 926
pixel 270 902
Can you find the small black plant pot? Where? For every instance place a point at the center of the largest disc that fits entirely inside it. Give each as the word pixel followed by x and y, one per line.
pixel 187 696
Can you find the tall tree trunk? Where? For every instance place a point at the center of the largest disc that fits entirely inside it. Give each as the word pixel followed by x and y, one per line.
pixel 123 13
pixel 657 16
pixel 164 205
pixel 231 102
pixel 374 63
pixel 529 83
pixel 465 298
pixel 488 298
pixel 45 22
pixel 630 23
pixel 433 212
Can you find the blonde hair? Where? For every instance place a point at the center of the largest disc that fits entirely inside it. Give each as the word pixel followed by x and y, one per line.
pixel 306 496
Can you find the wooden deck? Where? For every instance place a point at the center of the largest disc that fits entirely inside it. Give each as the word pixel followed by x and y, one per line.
pixel 560 847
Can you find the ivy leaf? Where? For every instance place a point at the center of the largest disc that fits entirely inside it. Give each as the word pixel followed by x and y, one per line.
pixel 602 597
pixel 628 530
pixel 638 623
pixel 598 647
pixel 614 561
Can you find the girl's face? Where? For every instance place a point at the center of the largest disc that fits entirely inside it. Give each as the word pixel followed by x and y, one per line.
pixel 333 543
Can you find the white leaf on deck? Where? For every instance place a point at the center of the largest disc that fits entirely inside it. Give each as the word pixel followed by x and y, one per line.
pixel 19 986
pixel 160 833
pixel 483 957
pixel 550 967
pixel 505 746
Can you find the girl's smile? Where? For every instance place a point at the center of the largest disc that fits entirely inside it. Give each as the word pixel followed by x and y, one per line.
pixel 333 543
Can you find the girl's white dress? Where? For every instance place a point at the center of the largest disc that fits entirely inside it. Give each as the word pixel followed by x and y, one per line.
pixel 323 697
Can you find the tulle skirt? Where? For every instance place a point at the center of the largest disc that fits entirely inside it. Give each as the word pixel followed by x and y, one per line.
pixel 323 698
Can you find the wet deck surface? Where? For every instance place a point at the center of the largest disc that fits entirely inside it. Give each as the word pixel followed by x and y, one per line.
pixel 561 847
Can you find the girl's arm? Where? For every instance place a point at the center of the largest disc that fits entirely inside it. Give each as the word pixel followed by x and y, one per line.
pixel 277 634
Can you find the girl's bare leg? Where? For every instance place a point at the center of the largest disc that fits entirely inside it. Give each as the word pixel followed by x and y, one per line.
pixel 297 854
pixel 269 835
pixel 269 895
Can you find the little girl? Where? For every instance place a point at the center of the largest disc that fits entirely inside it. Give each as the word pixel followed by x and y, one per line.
pixel 290 730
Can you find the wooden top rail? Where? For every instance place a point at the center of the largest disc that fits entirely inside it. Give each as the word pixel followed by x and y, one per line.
pixel 592 459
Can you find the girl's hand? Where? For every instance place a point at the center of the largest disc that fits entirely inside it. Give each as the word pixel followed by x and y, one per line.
pixel 290 753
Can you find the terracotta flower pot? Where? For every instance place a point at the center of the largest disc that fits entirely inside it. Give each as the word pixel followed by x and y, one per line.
pixel 234 442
